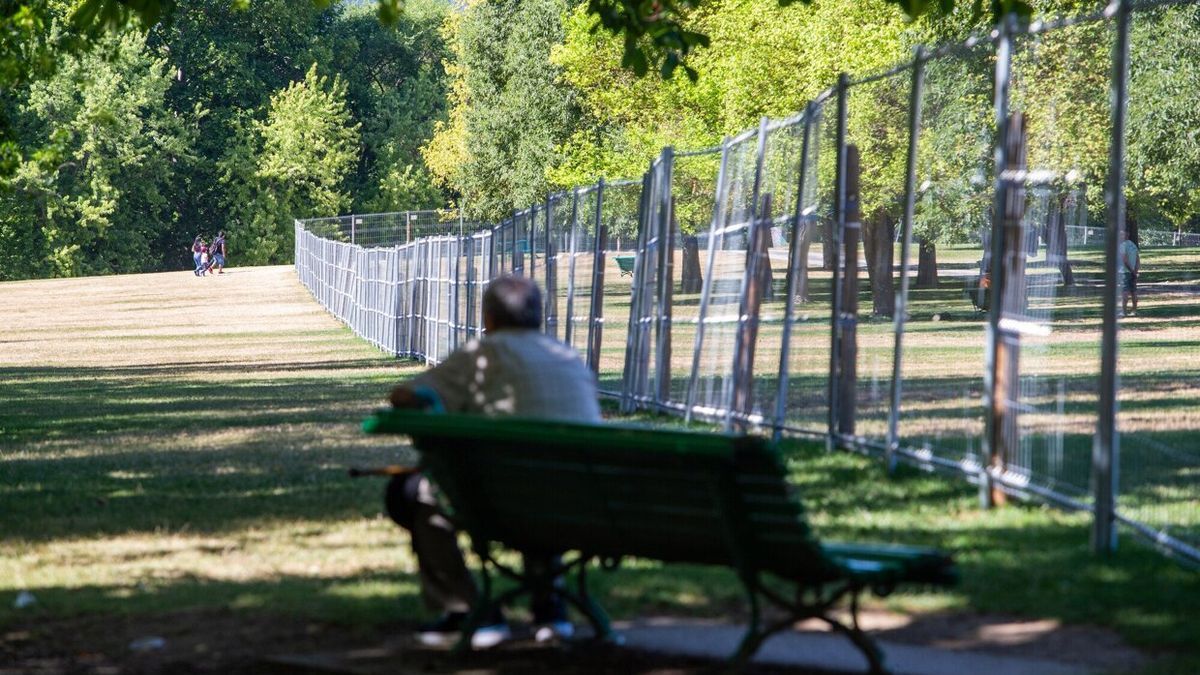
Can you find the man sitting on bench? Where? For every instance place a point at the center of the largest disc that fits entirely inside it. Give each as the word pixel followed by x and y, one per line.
pixel 514 370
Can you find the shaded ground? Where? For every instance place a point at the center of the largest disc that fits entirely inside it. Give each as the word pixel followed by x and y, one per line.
pixel 224 641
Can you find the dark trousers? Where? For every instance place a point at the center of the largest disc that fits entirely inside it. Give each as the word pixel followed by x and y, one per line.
pixel 446 584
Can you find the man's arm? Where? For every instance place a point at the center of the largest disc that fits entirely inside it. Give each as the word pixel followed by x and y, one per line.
pixel 446 383
pixel 403 397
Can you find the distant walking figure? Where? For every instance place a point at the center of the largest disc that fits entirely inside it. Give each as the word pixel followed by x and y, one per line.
pixel 217 252
pixel 1127 256
pixel 197 250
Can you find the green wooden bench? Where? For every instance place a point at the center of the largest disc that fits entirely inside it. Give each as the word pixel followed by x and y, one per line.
pixel 625 263
pixel 606 492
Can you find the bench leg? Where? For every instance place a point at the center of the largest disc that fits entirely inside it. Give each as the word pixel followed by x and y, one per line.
pixel 582 600
pixel 754 636
pixel 483 607
pixel 864 642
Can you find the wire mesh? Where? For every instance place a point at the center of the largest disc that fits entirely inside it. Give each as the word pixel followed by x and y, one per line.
pixel 619 218
pixel 693 191
pixel 1159 394
pixel 877 124
pixel 806 396
pixel 580 269
pixel 720 313
pixel 941 413
pixel 562 213
pixel 1056 325
pixel 769 248
pixel 644 381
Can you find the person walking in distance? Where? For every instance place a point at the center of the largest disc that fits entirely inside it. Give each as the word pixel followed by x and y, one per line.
pixel 197 250
pixel 515 369
pixel 217 252
pixel 1129 264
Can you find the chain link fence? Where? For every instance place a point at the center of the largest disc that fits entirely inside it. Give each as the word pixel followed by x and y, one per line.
pixel 925 264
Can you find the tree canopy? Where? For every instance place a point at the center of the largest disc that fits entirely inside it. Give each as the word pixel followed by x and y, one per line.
pixel 126 143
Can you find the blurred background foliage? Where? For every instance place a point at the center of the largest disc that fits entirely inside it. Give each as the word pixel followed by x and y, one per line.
pixel 129 127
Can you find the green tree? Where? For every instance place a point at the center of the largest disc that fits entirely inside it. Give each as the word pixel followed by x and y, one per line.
pixel 294 164
pixel 509 112
pixel 1164 146
pixel 231 62
pixel 396 87
pixel 96 205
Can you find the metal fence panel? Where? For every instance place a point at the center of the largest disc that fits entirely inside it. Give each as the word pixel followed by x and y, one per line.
pixel 1158 399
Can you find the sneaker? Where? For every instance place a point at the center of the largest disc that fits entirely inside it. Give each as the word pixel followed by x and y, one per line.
pixel 443 631
pixel 554 630
pixel 447 629
pixel 486 637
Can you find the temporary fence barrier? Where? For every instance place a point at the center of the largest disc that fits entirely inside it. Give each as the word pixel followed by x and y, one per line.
pixel 925 264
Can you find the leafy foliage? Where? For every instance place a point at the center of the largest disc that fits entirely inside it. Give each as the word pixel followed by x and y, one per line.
pixel 73 203
pixel 509 110
pixel 98 203
pixel 293 165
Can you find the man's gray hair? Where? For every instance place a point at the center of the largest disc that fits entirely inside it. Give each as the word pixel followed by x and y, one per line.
pixel 513 302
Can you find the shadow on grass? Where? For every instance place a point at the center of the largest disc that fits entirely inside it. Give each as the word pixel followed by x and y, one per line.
pixel 90 451
pixel 366 598
pixel 170 453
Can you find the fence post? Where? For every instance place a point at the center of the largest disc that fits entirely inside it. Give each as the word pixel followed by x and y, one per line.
pixel 1106 447
pixel 666 274
pixel 989 493
pixel 718 220
pixel 531 231
pixel 414 296
pixel 915 97
pixel 551 299
pixel 472 282
pixel 794 262
pixel 634 354
pixel 848 319
pixel 491 271
pixel 455 296
pixel 596 320
pixel 839 224
pixel 572 245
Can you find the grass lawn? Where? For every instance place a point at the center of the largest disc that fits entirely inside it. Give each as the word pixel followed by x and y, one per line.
pixel 171 443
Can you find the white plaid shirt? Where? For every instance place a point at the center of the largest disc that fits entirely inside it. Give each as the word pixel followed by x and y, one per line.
pixel 516 372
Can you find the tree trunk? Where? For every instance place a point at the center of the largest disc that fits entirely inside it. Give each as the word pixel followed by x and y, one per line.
pixel 868 228
pixel 691 277
pixel 827 244
pixel 927 276
pixel 878 232
pixel 765 273
pixel 1056 241
pixel 805 237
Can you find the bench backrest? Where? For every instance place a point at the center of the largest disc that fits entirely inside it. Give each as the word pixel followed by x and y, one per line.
pixel 615 490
